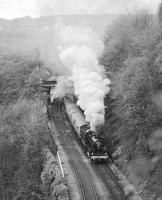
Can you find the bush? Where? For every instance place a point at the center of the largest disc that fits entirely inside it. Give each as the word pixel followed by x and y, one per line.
pixel 20 76
pixel 23 126
pixel 132 59
pixel 23 137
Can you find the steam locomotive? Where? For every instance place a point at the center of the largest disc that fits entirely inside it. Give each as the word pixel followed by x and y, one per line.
pixel 95 148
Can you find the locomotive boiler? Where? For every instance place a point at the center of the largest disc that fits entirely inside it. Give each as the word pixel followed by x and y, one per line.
pixel 95 148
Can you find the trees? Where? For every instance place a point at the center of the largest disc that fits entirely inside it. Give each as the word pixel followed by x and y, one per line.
pixel 132 58
pixel 127 57
pixel 23 127
pixel 23 135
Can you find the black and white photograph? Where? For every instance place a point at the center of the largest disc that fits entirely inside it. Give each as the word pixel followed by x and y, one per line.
pixel 80 100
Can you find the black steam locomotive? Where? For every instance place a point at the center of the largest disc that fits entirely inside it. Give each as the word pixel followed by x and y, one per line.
pixel 95 149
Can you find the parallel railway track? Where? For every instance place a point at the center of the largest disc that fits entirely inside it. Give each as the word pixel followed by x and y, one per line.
pixel 85 181
pixel 87 187
pixel 106 174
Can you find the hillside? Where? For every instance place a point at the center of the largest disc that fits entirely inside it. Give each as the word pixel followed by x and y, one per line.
pixel 26 33
pixel 133 127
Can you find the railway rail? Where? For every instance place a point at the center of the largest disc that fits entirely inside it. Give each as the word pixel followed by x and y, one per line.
pixel 108 177
pixel 110 182
pixel 85 181
pixel 87 187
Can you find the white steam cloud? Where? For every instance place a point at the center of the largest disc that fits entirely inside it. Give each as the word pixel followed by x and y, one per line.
pixel 79 50
pixel 64 86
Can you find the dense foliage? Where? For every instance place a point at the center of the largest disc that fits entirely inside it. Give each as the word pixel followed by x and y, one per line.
pixel 23 127
pixel 132 59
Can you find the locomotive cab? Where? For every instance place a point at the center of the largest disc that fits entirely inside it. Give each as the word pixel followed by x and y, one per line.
pixel 83 132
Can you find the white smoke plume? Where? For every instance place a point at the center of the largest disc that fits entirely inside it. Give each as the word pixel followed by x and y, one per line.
pixel 64 86
pixel 79 50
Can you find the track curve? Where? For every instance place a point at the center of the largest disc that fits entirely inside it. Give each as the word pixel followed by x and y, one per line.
pixel 110 181
pixel 87 187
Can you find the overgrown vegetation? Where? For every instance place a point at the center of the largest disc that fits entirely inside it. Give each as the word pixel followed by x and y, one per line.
pixel 132 58
pixel 23 127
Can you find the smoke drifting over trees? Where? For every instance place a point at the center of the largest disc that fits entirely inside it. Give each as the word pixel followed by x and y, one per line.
pixel 132 57
pixel 78 50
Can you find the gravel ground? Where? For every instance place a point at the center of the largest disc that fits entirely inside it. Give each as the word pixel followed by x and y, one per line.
pixel 125 183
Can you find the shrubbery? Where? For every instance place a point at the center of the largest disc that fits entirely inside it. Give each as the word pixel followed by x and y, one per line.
pixel 132 58
pixel 23 127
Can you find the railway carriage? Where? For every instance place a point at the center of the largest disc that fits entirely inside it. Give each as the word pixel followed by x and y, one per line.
pixel 95 149
pixel 75 116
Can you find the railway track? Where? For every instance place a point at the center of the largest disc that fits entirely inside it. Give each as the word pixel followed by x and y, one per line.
pixel 86 184
pixel 106 174
pixel 87 187
pixel 110 182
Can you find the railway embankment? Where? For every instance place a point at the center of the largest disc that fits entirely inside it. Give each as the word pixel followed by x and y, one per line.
pixel 97 178
pixel 74 187
pixel 68 173
pixel 52 177
pixel 82 179
pixel 129 189
pixel 132 59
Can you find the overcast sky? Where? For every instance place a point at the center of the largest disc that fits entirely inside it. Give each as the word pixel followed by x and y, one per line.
pixel 18 8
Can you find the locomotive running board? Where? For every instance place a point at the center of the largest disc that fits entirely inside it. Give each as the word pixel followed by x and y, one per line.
pixel 99 157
